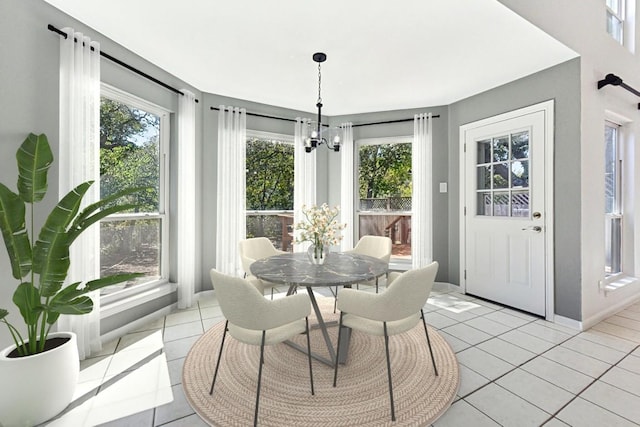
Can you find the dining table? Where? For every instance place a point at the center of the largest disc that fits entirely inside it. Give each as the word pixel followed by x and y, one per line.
pixel 340 269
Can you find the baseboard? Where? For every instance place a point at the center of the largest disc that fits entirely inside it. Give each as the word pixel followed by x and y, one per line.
pixel 569 323
pixel 610 311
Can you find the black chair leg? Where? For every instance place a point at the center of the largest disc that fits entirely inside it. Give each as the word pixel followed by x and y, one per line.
pixel 433 361
pixel 255 417
pixel 215 374
pixel 376 285
pixel 386 347
pixel 335 369
pixel 306 319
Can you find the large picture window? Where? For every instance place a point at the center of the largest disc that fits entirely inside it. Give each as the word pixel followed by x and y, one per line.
pixel 133 136
pixel 269 188
pixel 385 192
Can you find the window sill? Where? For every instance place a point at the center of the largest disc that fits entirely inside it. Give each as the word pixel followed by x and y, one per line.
pixel 126 303
pixel 617 282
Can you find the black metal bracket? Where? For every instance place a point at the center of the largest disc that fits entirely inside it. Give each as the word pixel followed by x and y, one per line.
pixel 612 79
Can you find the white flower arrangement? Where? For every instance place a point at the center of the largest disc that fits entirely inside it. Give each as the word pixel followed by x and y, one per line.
pixel 320 226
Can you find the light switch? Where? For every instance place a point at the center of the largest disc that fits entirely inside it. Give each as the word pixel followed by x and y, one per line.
pixel 443 187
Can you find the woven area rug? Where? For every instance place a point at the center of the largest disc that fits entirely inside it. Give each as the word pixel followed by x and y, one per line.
pixel 361 397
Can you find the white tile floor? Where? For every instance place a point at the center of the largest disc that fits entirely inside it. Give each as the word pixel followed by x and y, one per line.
pixel 516 369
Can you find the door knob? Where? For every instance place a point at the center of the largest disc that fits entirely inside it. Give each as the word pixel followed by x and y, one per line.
pixel 535 229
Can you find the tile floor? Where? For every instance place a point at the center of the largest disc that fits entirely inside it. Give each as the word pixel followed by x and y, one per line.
pixel 516 369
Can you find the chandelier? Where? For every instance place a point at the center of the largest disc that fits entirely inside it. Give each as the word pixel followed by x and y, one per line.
pixel 315 134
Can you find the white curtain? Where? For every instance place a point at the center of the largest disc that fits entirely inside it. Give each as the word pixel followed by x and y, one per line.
pixel 231 222
pixel 304 178
pixel 78 162
pixel 347 185
pixel 186 199
pixel 421 167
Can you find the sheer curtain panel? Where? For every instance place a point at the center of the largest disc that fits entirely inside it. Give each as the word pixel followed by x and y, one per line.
pixel 304 177
pixel 79 160
pixel 186 198
pixel 230 209
pixel 347 199
pixel 421 216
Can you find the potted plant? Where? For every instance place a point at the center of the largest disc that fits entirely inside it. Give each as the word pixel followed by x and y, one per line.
pixel 40 361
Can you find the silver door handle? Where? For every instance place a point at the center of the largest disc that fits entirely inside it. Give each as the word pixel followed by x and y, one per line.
pixel 535 229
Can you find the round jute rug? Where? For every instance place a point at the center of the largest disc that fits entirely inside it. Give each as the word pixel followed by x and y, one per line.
pixel 361 397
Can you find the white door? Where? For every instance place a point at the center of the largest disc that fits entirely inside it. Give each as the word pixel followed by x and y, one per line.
pixel 504 209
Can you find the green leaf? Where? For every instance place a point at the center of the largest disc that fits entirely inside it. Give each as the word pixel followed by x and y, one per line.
pixel 14 232
pixel 73 291
pixel 79 226
pixel 51 250
pixel 34 160
pixel 27 299
pixel 51 257
pixel 3 313
pixel 81 305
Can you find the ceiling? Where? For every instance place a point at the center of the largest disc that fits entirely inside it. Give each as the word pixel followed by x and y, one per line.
pixel 381 55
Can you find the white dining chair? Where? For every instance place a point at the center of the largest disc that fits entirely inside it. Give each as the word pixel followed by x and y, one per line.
pixel 253 249
pixel 392 312
pixel 255 320
pixel 375 246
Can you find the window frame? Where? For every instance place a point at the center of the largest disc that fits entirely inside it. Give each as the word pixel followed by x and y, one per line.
pixel 395 263
pixel 164 141
pixel 618 16
pixel 617 210
pixel 280 137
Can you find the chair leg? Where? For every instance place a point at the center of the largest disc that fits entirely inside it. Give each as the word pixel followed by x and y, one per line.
pixel 272 293
pixel 433 361
pixel 376 285
pixel 386 347
pixel 335 300
pixel 306 319
pixel 335 369
pixel 215 374
pixel 255 417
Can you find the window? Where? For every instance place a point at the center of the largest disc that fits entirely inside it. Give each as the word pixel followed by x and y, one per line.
pixel 384 192
pixel 613 202
pixel 615 19
pixel 269 187
pixel 502 166
pixel 133 139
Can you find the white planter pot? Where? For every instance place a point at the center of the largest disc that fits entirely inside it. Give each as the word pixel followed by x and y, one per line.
pixel 35 388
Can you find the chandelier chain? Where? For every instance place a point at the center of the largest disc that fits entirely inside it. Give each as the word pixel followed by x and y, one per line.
pixel 319 81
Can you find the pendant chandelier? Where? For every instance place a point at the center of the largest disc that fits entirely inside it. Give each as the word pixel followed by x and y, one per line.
pixel 315 134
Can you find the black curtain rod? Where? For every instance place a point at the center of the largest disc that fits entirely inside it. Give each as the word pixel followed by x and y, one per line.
pixel 612 79
pixel 121 63
pixel 390 121
pixel 357 125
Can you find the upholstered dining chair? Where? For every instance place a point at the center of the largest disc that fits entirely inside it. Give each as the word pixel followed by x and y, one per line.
pixel 375 246
pixel 254 320
pixel 253 249
pixel 394 311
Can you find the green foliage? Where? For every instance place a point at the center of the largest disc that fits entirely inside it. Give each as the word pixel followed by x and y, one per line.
pixel 269 175
pixel 119 123
pixel 384 171
pixel 41 299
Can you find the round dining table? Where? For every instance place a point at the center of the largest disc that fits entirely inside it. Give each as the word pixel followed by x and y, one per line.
pixel 339 269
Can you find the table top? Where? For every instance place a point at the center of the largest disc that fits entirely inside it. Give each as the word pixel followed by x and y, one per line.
pixel 339 269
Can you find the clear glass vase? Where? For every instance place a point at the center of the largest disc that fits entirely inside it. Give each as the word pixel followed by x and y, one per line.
pixel 317 254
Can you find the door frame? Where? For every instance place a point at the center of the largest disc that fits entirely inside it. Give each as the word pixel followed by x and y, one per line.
pixel 547 107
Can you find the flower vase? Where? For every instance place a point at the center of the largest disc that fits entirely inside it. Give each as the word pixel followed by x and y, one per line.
pixel 317 254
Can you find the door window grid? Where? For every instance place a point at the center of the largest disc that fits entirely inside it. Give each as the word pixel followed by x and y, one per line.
pixel 613 200
pixel 503 175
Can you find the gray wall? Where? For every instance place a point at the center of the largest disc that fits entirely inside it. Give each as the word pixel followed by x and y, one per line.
pixel 562 84
pixel 29 103
pixel 440 155
pixel 210 159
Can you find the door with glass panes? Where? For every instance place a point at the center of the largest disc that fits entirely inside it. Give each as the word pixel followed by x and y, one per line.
pixel 504 211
